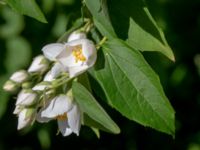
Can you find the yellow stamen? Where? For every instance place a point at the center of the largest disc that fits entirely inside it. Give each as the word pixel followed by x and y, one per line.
pixel 77 53
pixel 62 117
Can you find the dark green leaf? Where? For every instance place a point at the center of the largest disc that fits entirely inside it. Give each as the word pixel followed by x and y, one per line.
pixel 91 107
pixel 133 88
pixel 99 10
pixel 27 7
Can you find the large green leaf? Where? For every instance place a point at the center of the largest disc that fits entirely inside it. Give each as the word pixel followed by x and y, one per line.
pixel 132 87
pixel 27 7
pixel 91 107
pixel 99 10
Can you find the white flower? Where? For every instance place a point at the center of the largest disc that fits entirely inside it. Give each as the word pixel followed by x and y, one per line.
pixel 25 117
pixel 40 64
pixel 26 98
pixel 19 76
pixel 76 56
pixel 66 112
pixel 76 35
pixel 10 86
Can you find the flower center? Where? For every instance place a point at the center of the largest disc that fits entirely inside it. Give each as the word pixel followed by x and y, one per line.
pixel 62 117
pixel 78 54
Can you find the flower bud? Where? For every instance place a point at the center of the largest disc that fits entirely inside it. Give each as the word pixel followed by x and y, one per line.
pixel 39 65
pixel 19 76
pixel 17 110
pixel 10 86
pixel 26 117
pixel 27 98
pixel 76 35
pixel 42 86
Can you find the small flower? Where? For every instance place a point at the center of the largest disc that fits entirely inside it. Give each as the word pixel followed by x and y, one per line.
pixel 39 65
pixel 10 86
pixel 25 117
pixel 76 35
pixel 76 56
pixel 66 112
pixel 19 76
pixel 27 98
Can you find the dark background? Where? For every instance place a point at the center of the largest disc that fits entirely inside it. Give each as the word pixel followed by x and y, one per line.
pixel 21 38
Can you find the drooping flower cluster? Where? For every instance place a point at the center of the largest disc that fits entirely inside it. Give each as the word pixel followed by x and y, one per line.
pixel 44 91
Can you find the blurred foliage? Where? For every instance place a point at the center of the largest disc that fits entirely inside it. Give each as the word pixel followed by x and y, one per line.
pixel 21 38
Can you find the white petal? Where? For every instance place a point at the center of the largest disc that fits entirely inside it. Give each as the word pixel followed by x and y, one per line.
pixel 19 76
pixel 41 86
pixel 64 127
pixel 51 51
pixel 48 77
pixel 22 120
pixel 39 64
pixel 17 110
pixel 57 69
pixel 75 71
pixel 41 119
pixel 76 35
pixel 74 119
pixel 26 98
pixel 89 49
pixel 58 106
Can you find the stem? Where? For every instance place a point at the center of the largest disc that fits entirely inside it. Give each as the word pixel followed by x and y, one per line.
pixel 98 46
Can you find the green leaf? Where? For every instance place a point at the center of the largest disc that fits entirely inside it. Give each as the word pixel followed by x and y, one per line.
pixel 133 22
pixel 27 7
pixel 100 14
pixel 144 41
pixel 132 87
pixel 91 107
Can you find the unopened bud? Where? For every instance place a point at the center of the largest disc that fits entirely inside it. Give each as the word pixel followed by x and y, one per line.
pixel 27 98
pixel 19 76
pixel 42 86
pixel 39 65
pixel 10 86
pixel 26 117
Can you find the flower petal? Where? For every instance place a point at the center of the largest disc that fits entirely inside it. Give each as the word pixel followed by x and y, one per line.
pixel 75 71
pixel 41 119
pixel 51 51
pixel 64 127
pixel 74 119
pixel 76 35
pixel 57 69
pixel 48 77
pixel 22 120
pixel 57 106
pixel 26 98
pixel 39 64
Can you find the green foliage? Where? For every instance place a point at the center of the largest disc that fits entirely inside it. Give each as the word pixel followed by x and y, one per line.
pixel 129 83
pixel 27 7
pixel 91 107
pixel 133 88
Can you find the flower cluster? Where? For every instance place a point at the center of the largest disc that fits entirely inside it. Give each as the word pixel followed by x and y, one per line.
pixel 45 88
